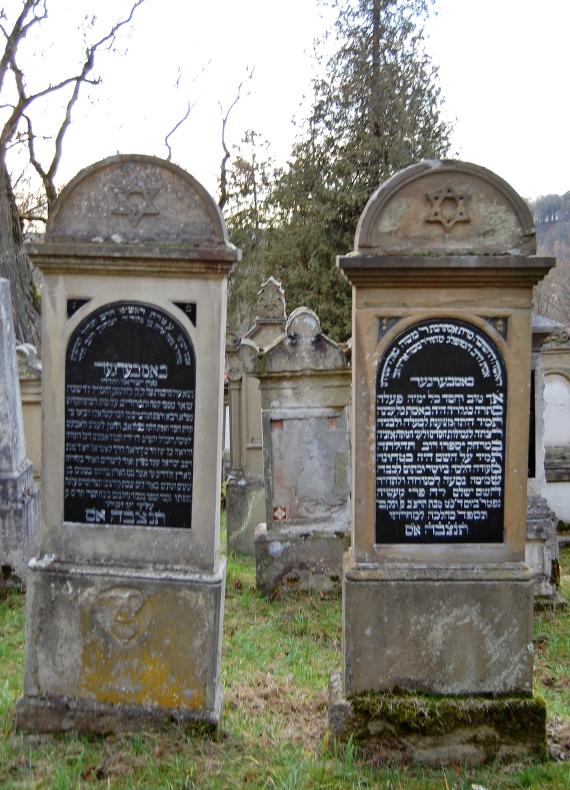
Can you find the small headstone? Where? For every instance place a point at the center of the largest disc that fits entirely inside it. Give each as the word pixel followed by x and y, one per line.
pixel 18 494
pixel 305 380
pixel 245 503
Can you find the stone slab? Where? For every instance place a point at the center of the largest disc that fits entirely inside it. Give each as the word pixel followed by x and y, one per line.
pixel 439 730
pixel 448 630
pixel 293 558
pixel 123 645
pixel 245 509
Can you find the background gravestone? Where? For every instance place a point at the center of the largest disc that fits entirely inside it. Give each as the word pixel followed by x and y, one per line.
pixel 437 595
pixel 125 602
pixel 542 552
pixel 304 379
pixel 245 488
pixel 30 377
pixel 555 358
pixel 18 494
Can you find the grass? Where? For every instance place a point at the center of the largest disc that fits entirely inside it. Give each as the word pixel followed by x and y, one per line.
pixel 277 656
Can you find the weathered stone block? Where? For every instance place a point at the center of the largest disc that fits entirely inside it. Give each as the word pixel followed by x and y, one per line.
pixel 112 649
pixel 439 730
pixel 245 509
pixel 294 558
pixel 438 630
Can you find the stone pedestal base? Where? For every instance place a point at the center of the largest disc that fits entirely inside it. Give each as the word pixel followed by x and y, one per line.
pixel 116 649
pixel 19 523
pixel 542 552
pixel 438 630
pixel 245 509
pixel 299 558
pixel 439 730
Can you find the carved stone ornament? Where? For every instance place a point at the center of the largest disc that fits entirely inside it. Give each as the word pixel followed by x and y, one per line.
pixel 271 300
pixel 135 201
pixel 447 206
pixel 116 611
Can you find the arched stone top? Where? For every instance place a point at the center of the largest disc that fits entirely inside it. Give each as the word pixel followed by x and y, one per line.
pixel 445 207
pixel 303 323
pixel 136 199
pixel 302 348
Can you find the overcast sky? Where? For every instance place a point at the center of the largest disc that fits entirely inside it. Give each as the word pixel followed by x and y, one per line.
pixel 503 68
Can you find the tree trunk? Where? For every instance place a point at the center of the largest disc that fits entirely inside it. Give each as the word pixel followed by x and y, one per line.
pixel 15 266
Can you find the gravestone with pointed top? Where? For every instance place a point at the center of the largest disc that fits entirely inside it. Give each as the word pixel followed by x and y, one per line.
pixel 18 493
pixel 304 379
pixel 245 487
pixel 125 596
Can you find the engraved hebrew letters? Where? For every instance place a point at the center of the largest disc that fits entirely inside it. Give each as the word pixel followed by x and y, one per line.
pixel 129 419
pixel 440 436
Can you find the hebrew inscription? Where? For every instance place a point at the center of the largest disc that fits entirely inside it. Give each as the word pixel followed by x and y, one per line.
pixel 440 436
pixel 129 419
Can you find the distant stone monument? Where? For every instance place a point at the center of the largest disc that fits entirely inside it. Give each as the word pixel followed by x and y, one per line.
pixel 19 504
pixel 305 389
pixel 126 594
pixel 555 359
pixel 30 377
pixel 437 596
pixel 542 552
pixel 245 503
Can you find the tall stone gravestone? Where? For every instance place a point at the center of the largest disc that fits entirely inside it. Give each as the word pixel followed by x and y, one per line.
pixel 305 390
pixel 245 506
pixel 437 596
pixel 125 599
pixel 19 504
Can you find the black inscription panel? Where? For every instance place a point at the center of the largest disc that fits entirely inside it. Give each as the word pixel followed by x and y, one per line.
pixel 130 380
pixel 440 436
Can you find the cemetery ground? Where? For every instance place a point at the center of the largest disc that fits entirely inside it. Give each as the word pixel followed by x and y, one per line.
pixel 277 656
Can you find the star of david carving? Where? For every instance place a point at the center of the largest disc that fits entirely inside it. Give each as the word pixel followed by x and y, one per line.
pixel 447 207
pixel 135 202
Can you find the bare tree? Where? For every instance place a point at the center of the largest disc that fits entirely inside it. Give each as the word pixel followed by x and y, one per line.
pixel 17 129
pixel 224 194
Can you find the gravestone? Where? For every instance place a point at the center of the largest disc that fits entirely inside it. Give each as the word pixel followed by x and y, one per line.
pixel 19 502
pixel 245 490
pixel 437 595
pixel 542 553
pixel 125 603
pixel 304 379
pixel 30 378
pixel 555 357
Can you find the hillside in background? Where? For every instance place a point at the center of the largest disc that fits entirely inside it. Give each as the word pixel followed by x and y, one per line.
pixel 552 218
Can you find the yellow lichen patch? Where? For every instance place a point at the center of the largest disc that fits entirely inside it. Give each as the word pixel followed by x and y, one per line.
pixel 148 654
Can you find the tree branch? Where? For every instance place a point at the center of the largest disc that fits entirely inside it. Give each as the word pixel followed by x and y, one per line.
pixel 224 195
pixel 24 100
pixel 174 128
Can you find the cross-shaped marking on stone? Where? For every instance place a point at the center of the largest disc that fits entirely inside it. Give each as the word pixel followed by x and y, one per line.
pixel 135 202
pixel 447 207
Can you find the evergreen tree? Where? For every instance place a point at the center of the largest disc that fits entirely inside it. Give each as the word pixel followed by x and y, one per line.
pixel 376 109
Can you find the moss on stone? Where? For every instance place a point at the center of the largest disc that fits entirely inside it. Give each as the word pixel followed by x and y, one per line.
pixel 406 713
